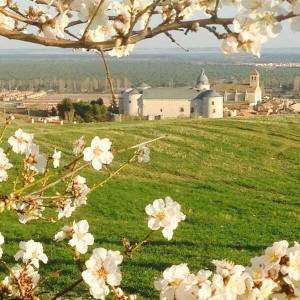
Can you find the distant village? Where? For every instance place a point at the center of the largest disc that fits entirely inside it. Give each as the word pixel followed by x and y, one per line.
pixel 144 102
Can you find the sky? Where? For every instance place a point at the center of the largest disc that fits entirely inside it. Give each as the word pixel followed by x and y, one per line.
pixel 202 38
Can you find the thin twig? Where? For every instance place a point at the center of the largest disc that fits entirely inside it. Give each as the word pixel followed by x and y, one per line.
pixel 92 19
pixel 3 131
pixel 58 180
pixel 129 249
pixel 68 289
pixel 108 76
pixel 112 174
pixel 174 41
pixel 140 144
pixel 47 177
pixel 52 274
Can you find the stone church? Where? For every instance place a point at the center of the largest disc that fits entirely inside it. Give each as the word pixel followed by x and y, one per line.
pixel 242 92
pixel 199 101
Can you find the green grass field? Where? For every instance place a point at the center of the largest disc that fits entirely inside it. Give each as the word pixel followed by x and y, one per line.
pixel 238 181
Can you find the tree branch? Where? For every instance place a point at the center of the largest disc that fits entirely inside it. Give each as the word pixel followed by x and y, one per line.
pixel 174 41
pixel 108 76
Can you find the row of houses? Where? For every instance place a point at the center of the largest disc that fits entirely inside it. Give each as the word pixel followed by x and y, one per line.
pixel 269 107
pixel 16 95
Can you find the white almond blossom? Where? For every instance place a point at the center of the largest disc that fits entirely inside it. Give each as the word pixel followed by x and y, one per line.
pixel 56 28
pixel 295 22
pixel 31 252
pixel 66 210
pixel 164 214
pixel 99 34
pixel 274 254
pixel 27 277
pixel 227 268
pixel 201 286
pixel 172 284
pixel 26 212
pixel 78 146
pixel 56 157
pixel 34 159
pixel 268 286
pixel 102 270
pixel 144 154
pixel 81 238
pixel 121 295
pixel 86 10
pixel 4 165
pixel 6 22
pixel 66 232
pixel 79 189
pixel 293 270
pixel 236 3
pixel 230 45
pixel 20 141
pixel 121 51
pixel 98 153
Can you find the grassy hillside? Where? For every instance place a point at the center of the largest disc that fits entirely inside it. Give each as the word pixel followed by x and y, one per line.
pixel 236 179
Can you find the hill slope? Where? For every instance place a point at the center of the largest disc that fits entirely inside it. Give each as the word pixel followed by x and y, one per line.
pixel 236 179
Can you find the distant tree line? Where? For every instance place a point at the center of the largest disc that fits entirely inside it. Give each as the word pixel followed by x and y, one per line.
pixel 94 111
pixel 88 76
pixel 58 85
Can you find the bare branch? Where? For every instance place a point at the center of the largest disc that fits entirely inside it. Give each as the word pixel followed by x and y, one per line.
pixel 114 98
pixel 174 41
pixel 19 17
pixel 213 30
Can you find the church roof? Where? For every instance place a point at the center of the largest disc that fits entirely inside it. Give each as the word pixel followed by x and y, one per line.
pixel 202 79
pixel 232 88
pixel 143 85
pixel 254 72
pixel 208 93
pixel 170 93
pixel 134 92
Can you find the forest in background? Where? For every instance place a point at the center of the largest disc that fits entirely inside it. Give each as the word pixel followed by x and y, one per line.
pixel 79 73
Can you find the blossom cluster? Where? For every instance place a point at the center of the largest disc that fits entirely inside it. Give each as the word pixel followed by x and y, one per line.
pixel 259 21
pixel 4 165
pixel 35 173
pixel 30 207
pixel 22 282
pixel 102 268
pixel 274 275
pixel 118 21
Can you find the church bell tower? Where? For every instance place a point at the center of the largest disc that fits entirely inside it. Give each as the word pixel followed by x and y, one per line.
pixel 254 78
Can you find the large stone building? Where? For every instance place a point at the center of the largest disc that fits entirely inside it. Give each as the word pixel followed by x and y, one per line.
pixel 242 92
pixel 184 101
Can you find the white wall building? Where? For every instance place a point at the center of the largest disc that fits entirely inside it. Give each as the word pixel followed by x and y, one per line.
pixel 200 101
